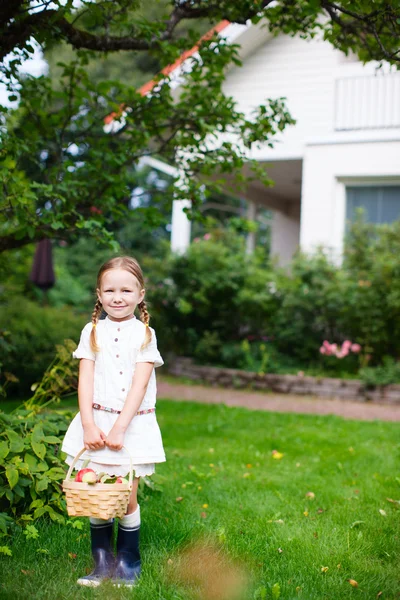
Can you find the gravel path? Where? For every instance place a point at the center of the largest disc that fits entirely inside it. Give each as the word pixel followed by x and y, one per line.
pixel 279 402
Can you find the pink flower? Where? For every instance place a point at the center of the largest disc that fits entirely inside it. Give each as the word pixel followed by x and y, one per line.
pixel 196 240
pixel 207 236
pixel 339 351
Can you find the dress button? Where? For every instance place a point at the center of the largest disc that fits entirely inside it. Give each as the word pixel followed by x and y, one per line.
pixel 119 329
pixel 117 355
pixel 120 372
pixel 116 340
pixel 123 389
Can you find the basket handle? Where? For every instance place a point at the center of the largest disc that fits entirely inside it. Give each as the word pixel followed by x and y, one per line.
pixel 84 450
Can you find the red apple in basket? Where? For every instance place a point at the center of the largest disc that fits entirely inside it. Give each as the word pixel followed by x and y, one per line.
pixel 89 478
pixel 122 480
pixel 80 474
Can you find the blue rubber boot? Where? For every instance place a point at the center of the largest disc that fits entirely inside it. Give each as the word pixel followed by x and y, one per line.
pixel 103 556
pixel 127 564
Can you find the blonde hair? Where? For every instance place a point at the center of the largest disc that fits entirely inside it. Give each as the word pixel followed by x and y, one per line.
pixel 132 266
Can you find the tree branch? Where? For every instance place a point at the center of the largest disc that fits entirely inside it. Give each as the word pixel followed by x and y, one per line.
pixel 16 32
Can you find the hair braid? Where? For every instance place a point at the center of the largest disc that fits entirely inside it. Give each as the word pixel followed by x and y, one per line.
pixel 98 307
pixel 145 318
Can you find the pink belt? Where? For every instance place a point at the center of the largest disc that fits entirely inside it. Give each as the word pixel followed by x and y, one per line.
pixel 118 412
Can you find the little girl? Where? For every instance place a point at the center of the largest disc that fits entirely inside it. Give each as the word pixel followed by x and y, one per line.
pixel 117 397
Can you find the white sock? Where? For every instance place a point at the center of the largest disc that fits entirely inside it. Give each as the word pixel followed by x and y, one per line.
pixel 95 521
pixel 131 521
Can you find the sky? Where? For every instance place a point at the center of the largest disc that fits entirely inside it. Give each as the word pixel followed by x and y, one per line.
pixel 35 66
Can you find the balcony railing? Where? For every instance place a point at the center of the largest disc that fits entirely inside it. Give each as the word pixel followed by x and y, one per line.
pixel 367 102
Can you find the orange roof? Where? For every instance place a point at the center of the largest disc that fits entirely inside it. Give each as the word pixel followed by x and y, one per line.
pixel 147 87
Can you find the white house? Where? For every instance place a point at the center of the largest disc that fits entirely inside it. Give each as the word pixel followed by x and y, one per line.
pixel 343 152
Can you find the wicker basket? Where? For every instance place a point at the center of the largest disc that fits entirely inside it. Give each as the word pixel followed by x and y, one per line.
pixel 101 500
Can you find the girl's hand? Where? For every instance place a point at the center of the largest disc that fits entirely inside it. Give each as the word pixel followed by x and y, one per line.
pixel 93 437
pixel 115 439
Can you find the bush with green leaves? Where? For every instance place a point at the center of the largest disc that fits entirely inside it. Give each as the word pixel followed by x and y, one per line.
pixel 220 306
pixel 311 301
pixel 31 466
pixel 33 331
pixel 372 267
pixel 385 374
pixel 213 295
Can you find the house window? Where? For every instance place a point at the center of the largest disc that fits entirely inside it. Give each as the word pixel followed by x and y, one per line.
pixel 381 204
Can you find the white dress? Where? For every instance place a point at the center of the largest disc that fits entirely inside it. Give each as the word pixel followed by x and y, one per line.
pixel 120 350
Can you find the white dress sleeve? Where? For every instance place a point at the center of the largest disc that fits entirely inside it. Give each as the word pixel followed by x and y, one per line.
pixel 84 350
pixel 150 353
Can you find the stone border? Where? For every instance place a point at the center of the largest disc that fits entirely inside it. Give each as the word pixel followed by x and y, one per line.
pixel 343 389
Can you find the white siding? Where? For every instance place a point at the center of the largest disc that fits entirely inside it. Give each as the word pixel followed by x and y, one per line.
pixel 314 77
pixel 368 102
pixel 299 70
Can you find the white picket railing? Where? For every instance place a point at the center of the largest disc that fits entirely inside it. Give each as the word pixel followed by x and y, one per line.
pixel 367 102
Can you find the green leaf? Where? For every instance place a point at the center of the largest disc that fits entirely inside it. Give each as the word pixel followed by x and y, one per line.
pixel 276 591
pixel 16 442
pixel 42 483
pixel 56 473
pixel 55 516
pixel 31 532
pixel 39 449
pixel 57 225
pixel 76 524
pixel 12 476
pixel 51 439
pixel 42 467
pixel 5 520
pixel 19 491
pixel 31 461
pixel 356 524
pixel 26 517
pixel 5 550
pixel 25 481
pixel 4 449
pixel 36 504
pixel 260 593
pixel 37 433
pixel 39 512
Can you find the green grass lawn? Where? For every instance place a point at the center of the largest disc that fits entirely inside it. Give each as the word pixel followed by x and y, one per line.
pixel 222 486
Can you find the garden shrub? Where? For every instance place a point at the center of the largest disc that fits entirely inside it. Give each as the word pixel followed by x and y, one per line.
pixel 385 374
pixel 32 469
pixel 30 448
pixel 213 295
pixel 220 306
pixel 311 301
pixel 32 334
pixel 372 267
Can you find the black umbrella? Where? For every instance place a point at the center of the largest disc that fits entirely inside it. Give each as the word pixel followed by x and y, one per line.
pixel 42 273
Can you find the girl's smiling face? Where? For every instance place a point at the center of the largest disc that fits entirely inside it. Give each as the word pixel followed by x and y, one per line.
pixel 119 294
